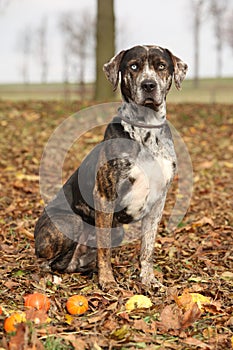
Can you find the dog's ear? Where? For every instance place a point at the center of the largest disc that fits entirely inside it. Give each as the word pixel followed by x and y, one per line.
pixel 180 70
pixel 111 69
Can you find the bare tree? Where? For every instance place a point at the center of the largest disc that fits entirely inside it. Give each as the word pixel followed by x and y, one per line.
pixel 42 48
pixel 105 46
pixel 3 5
pixel 24 45
pixel 78 43
pixel 198 10
pixel 218 10
pixel 229 30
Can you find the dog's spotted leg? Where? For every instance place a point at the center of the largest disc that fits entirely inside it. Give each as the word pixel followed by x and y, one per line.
pixel 104 196
pixel 149 231
pixel 103 236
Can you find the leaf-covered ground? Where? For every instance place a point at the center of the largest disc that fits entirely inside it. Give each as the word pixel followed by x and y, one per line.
pixel 197 257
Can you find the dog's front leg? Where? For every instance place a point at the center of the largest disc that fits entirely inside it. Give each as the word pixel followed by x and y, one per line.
pixel 149 231
pixel 103 223
pixel 104 197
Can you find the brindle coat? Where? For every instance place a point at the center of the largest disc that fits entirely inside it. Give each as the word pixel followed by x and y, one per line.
pixel 124 179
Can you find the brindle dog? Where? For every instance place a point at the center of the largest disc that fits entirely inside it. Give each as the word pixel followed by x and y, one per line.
pixel 124 179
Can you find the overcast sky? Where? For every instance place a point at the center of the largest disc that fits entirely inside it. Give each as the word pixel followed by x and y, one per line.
pixel 167 23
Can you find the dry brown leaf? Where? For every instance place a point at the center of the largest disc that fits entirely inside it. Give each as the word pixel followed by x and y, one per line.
pixel 190 316
pixel 17 341
pixel 37 316
pixel 141 325
pixel 77 343
pixel 203 221
pixel 198 343
pixel 170 318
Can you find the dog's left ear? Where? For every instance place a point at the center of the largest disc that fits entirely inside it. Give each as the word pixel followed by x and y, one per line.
pixel 112 68
pixel 180 70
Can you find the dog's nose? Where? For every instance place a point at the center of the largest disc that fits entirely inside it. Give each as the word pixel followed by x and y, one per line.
pixel 148 85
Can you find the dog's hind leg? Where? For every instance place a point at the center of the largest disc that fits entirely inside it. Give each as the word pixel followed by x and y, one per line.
pixel 60 239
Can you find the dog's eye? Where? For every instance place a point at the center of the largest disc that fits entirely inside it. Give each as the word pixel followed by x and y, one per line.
pixel 134 66
pixel 161 66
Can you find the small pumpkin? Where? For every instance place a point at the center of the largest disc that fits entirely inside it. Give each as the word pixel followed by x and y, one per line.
pixel 77 305
pixel 11 321
pixel 38 301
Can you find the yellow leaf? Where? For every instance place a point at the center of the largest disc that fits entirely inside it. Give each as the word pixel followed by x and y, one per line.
pixel 137 302
pixel 27 177
pixel 120 333
pixel 69 319
pixel 228 165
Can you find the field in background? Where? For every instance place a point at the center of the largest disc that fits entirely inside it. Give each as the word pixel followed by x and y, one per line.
pixel 209 91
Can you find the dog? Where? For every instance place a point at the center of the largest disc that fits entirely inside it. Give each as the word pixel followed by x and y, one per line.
pixel 124 179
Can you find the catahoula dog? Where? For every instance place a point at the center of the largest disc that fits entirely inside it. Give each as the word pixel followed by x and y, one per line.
pixel 124 179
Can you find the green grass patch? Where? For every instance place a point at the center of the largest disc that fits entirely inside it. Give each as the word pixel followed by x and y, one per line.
pixel 208 91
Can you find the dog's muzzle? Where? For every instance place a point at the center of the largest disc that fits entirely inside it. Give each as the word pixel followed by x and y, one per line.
pixel 151 98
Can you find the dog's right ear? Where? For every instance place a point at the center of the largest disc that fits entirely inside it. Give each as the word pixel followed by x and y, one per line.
pixel 112 69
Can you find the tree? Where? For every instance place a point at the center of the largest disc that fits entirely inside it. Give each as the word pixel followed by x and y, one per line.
pixel 105 47
pixel 78 43
pixel 24 45
pixel 229 30
pixel 42 49
pixel 218 10
pixel 198 11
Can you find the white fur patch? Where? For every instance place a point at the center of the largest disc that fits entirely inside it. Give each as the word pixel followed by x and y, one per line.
pixel 151 176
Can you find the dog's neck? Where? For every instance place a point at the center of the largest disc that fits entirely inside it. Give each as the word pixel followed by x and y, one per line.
pixel 142 116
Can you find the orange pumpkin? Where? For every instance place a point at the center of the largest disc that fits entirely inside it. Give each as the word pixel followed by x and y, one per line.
pixel 38 301
pixel 11 321
pixel 77 305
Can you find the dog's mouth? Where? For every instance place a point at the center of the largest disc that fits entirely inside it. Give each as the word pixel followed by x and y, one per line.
pixel 151 103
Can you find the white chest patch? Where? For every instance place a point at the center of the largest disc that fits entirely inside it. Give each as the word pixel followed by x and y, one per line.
pixel 150 176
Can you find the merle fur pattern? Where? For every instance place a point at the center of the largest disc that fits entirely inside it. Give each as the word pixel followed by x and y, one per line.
pixel 124 179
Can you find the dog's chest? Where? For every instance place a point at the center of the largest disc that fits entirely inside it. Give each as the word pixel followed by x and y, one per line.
pixel 150 174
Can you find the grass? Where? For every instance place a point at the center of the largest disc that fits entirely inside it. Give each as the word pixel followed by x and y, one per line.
pixel 209 91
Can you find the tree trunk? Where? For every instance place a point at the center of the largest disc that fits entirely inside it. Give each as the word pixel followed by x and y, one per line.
pixel 197 7
pixel 196 49
pixel 105 47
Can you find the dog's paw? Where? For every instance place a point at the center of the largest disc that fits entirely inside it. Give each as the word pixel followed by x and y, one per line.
pixel 148 279
pixel 152 282
pixel 107 282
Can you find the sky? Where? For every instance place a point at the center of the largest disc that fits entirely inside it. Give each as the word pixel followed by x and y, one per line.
pixel 167 23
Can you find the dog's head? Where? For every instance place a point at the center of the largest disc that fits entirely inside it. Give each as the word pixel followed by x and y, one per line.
pixel 146 74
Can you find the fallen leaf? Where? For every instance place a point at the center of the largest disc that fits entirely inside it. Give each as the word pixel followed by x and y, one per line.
pixel 198 343
pixel 186 300
pixel 68 319
pixel 27 177
pixel 137 302
pixel 78 344
pixel 190 316
pixel 37 316
pixel 121 333
pixel 170 318
pixel 141 325
pixel 203 221
pixel 227 276
pixel 17 341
